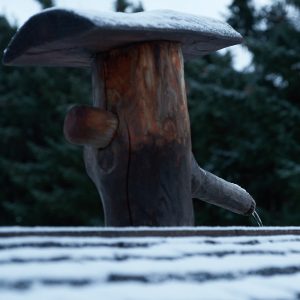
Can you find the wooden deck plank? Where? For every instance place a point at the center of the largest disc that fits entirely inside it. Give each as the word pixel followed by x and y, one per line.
pixel 149 263
pixel 150 231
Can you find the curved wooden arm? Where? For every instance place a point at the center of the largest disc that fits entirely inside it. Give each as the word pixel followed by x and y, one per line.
pixel 215 190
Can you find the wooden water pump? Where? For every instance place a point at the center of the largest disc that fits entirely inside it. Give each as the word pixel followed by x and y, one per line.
pixel 136 136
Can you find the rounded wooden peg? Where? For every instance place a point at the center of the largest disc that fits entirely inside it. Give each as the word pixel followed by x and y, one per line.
pixel 86 125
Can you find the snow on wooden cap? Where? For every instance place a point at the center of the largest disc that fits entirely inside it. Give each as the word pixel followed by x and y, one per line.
pixel 59 37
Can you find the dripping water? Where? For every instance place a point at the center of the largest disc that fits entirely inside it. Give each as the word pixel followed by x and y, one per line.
pixel 257 218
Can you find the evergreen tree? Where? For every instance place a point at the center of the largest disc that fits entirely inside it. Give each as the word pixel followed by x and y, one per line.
pixel 244 124
pixel 127 6
pixel 121 5
pixel 242 16
pixel 275 46
pixel 42 178
pixel 245 127
pixel 138 7
pixel 46 3
pixel 221 139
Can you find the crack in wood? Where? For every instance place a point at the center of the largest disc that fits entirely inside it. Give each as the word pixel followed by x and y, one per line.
pixel 128 175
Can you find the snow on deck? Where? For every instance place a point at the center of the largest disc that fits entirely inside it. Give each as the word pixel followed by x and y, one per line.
pixel 198 263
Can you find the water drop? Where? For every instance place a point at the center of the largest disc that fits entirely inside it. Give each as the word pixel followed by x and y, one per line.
pixel 257 218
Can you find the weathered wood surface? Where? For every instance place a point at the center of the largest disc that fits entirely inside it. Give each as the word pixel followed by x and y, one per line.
pixel 144 176
pixel 140 112
pixel 114 232
pixel 72 263
pixel 59 37
pixel 215 190
pixel 92 126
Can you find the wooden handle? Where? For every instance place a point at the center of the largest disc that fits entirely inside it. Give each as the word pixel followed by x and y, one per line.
pixel 215 190
pixel 90 126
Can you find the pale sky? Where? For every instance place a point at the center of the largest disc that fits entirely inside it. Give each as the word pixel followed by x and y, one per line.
pixel 18 11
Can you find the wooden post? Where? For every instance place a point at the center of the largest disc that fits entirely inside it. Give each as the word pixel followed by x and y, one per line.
pixel 144 176
pixel 136 138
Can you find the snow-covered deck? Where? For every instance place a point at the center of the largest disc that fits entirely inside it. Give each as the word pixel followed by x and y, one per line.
pixel 198 263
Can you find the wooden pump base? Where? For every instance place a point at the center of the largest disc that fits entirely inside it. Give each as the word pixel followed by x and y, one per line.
pixel 136 137
pixel 144 175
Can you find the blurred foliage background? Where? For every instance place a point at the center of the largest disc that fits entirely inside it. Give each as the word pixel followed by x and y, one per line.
pixel 245 126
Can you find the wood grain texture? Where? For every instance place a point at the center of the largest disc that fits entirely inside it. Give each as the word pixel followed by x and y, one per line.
pixel 6 232
pixel 144 176
pixel 92 126
pixel 150 231
pixel 215 190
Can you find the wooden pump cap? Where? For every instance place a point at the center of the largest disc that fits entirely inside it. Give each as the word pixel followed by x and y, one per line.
pixel 59 37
